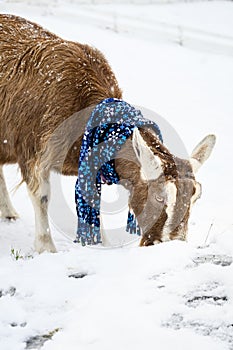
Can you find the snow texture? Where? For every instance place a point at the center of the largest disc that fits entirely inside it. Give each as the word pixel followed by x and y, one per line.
pixel 170 295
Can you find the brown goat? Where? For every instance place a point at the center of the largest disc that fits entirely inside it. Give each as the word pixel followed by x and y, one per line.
pixel 44 81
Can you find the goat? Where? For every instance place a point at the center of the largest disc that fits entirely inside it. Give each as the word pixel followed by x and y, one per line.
pixel 44 81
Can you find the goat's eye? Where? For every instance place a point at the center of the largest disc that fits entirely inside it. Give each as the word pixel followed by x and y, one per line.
pixel 159 199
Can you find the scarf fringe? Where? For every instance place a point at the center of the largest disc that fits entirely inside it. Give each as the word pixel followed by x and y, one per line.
pixel 87 234
pixel 132 224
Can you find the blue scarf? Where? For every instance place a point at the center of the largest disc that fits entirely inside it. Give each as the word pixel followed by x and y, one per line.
pixel 111 122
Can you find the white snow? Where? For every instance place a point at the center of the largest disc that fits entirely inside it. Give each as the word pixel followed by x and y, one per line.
pixel 170 295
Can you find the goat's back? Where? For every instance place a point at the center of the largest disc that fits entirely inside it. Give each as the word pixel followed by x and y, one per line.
pixel 44 80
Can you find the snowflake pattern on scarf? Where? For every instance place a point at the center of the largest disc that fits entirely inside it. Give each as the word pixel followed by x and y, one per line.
pixel 111 122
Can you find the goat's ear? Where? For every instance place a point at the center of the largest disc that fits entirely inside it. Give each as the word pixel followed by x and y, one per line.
pixel 202 152
pixel 151 166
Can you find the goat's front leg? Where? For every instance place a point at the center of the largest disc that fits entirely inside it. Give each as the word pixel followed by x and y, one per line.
pixel 40 201
pixel 6 208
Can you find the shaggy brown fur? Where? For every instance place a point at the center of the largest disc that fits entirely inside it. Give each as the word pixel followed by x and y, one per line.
pixel 44 80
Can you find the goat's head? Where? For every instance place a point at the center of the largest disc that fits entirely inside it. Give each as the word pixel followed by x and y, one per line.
pixel 167 189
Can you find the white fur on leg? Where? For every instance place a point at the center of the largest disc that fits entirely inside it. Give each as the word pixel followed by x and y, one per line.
pixel 6 208
pixel 43 239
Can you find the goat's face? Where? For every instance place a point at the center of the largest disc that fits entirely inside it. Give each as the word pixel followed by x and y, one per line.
pixel 167 189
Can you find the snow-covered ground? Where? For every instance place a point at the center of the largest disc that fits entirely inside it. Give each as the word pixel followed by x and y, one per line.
pixel 177 61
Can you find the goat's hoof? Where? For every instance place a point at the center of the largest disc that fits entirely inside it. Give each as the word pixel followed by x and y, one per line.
pixel 10 217
pixel 8 214
pixel 45 244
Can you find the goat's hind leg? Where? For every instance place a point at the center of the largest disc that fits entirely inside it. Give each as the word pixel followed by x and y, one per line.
pixel 7 210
